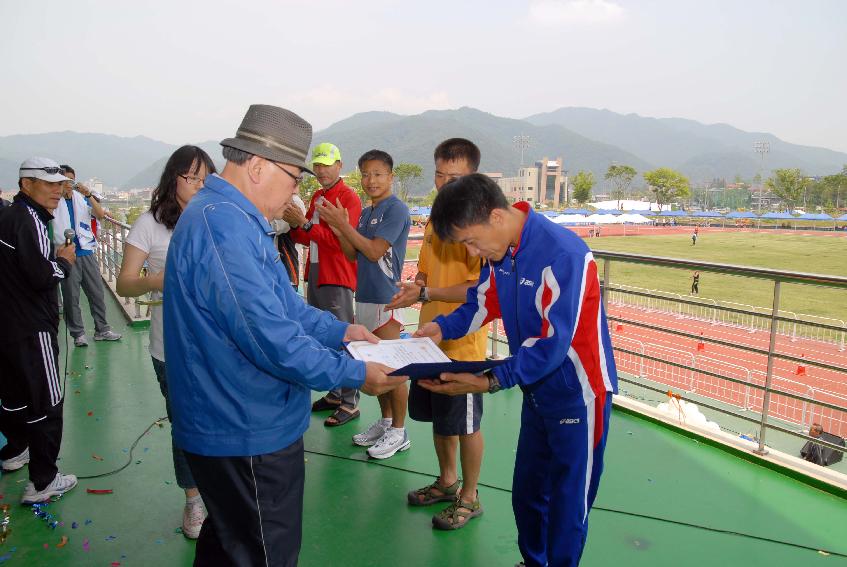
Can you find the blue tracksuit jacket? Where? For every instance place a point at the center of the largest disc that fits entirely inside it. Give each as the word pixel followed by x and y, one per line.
pixel 547 293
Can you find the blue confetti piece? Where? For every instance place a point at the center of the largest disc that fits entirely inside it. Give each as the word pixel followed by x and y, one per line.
pixel 126 450
pixel 159 541
pixel 74 526
pixel 88 522
pixel 4 558
pixel 146 449
pixel 111 538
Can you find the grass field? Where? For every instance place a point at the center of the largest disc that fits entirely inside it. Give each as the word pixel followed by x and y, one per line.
pixel 810 254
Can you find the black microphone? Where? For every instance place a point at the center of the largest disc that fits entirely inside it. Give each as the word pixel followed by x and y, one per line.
pixel 69 236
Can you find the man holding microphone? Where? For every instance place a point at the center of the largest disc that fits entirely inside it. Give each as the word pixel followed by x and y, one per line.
pixel 31 411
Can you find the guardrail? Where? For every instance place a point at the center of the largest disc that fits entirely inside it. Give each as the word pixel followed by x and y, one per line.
pixel 110 252
pixel 772 395
pixel 751 317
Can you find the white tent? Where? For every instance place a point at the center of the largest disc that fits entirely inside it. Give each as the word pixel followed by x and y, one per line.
pixel 602 219
pixel 633 218
pixel 569 219
pixel 629 205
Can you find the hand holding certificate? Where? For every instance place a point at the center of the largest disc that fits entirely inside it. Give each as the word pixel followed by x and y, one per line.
pixel 415 358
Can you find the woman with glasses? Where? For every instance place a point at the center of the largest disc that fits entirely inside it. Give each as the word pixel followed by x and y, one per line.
pixel 147 243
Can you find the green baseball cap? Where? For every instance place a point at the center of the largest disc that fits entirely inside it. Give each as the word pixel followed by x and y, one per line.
pixel 325 154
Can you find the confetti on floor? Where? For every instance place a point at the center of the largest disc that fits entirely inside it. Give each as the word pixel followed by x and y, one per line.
pixel 63 542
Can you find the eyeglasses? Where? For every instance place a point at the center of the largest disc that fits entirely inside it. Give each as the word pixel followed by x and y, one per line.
pixel 193 179
pixel 47 170
pixel 297 178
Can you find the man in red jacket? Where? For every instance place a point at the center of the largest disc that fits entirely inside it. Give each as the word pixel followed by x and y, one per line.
pixel 330 276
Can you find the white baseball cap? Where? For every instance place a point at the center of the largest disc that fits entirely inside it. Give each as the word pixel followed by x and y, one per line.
pixel 42 168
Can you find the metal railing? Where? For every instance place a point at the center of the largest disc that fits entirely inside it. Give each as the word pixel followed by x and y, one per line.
pixel 764 396
pixel 110 253
pixel 750 317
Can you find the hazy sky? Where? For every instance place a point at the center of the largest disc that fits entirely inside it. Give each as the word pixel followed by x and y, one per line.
pixel 182 71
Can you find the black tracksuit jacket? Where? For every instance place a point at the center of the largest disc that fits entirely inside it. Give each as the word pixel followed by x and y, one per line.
pixel 29 271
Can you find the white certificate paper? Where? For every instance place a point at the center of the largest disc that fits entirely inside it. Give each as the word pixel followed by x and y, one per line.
pixel 397 353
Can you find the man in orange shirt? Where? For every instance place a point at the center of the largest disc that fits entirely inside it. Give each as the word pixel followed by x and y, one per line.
pixel 445 272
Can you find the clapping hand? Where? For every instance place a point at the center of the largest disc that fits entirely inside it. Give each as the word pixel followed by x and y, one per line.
pixel 408 295
pixel 335 215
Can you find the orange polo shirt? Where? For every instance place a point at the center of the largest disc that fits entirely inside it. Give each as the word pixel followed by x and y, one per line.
pixel 447 264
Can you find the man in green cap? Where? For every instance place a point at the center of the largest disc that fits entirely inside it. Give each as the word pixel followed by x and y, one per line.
pixel 330 276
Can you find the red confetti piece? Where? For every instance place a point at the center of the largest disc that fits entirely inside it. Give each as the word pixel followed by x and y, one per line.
pixel 90 413
pixel 99 491
pixel 96 457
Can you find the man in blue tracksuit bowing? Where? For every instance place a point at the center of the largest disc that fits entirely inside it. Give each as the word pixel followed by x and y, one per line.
pixel 243 350
pixel 541 279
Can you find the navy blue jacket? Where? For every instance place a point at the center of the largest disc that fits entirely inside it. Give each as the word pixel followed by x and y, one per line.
pixel 242 348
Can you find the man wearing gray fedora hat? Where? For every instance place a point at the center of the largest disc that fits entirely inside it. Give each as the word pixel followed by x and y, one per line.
pixel 244 351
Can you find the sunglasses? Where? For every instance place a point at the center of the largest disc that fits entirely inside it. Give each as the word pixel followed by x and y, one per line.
pixel 47 170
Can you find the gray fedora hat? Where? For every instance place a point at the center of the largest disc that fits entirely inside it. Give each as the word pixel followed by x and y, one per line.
pixel 275 134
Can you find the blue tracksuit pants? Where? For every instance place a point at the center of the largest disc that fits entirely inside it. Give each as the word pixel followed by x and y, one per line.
pixel 557 473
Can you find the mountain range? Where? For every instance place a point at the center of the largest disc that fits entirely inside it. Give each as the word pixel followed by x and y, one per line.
pixel 587 139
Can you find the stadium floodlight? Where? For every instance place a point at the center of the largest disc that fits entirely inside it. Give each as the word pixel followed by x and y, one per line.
pixel 761 148
pixel 521 143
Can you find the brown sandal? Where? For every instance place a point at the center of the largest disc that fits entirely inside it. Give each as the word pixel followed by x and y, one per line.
pixel 323 404
pixel 426 495
pixel 457 514
pixel 341 416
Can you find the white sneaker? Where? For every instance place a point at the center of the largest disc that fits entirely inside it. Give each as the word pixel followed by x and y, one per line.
pixel 192 519
pixel 394 440
pixel 61 484
pixel 81 340
pixel 372 434
pixel 107 336
pixel 16 463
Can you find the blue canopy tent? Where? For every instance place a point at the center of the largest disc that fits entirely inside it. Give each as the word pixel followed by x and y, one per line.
pixel 673 214
pixel 608 212
pixel 814 217
pixel 585 212
pixel 842 217
pixel 741 215
pixel 707 215
pixel 778 216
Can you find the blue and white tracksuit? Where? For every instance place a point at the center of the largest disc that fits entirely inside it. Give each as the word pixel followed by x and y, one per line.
pixel 547 292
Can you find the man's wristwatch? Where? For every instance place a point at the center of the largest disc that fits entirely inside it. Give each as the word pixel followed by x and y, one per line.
pixel 423 296
pixel 493 382
pixel 307 226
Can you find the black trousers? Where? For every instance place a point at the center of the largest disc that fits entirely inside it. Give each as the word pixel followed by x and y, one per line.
pixel 255 507
pixel 31 403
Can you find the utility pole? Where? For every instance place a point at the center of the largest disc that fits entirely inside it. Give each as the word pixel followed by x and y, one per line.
pixel 761 148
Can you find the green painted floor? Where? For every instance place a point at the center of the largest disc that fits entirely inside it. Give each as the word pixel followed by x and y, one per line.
pixel 665 499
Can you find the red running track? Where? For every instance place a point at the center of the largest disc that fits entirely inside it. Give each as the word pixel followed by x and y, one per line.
pixel 821 384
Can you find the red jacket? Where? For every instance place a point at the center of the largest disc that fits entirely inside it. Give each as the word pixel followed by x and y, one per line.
pixel 335 268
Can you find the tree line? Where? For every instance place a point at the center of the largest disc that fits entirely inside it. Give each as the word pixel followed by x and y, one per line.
pixel 665 185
